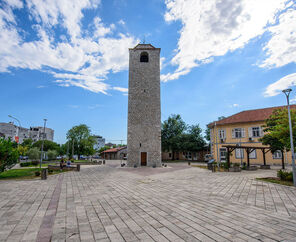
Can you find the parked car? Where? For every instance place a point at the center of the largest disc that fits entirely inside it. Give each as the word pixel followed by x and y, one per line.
pixel 208 157
pixel 96 157
pixel 24 157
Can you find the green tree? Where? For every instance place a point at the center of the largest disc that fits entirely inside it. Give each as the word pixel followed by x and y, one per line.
pixel 52 154
pixel 193 140
pixel 48 145
pixel 28 143
pixel 208 134
pixel 79 137
pixel 64 148
pixel 8 154
pixel 277 126
pixel 221 117
pixel 171 134
pixel 22 150
pixel 277 133
pixel 34 153
pixel 103 148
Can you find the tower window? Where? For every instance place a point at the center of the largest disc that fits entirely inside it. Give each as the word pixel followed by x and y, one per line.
pixel 144 57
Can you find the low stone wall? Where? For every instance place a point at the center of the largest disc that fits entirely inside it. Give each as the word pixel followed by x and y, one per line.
pixel 65 168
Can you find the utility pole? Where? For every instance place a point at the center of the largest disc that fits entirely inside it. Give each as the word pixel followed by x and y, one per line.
pixel 68 150
pixel 73 149
pixel 216 134
pixel 287 93
pixel 42 143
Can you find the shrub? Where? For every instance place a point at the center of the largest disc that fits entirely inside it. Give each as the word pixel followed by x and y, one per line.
pixel 224 165
pixel 50 171
pixel 37 173
pixel 25 164
pixel 35 162
pixel 34 153
pixel 285 175
pixel 8 154
pixel 52 154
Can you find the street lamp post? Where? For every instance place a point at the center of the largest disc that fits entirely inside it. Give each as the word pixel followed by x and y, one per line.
pixel 287 93
pixel 18 127
pixel 42 143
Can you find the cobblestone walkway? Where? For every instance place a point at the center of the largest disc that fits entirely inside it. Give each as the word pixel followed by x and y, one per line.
pixel 107 203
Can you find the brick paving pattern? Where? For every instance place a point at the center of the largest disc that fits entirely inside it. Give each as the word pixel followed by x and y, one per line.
pixel 108 203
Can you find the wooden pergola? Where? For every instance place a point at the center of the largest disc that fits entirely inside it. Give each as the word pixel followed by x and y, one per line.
pixel 250 149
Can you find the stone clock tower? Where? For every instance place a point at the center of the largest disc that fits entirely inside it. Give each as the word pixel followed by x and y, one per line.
pixel 144 124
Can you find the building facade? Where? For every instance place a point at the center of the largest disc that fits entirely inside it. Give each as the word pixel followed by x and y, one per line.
pixel 244 129
pixel 99 142
pixel 185 155
pixel 118 153
pixel 36 133
pixel 12 131
pixel 144 120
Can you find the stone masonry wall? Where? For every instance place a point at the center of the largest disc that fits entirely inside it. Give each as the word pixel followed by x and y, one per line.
pixel 144 117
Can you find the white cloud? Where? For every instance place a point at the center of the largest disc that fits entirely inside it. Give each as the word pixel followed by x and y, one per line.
pixel 101 30
pixel 121 22
pixel 277 87
pixel 213 28
pixel 173 76
pixel 84 60
pixel 121 89
pixel 293 100
pixel 281 48
pixel 235 105
pixel 49 12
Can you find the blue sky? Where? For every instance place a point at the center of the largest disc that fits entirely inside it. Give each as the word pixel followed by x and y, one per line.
pixel 67 60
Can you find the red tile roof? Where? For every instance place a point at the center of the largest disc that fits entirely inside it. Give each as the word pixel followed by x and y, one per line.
pixel 248 116
pixel 114 150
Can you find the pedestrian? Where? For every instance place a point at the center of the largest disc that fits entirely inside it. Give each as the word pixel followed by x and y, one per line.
pixel 62 163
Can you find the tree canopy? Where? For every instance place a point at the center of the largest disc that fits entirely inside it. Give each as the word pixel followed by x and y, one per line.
pixel 80 136
pixel 176 135
pixel 277 130
pixel 8 154
pixel 48 145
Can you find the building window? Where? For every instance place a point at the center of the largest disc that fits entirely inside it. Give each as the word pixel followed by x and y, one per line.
pixel 188 155
pixel 144 57
pixel 277 155
pixel 222 134
pixel 170 155
pixel 223 154
pixel 239 153
pixel 238 133
pixel 253 155
pixel 255 131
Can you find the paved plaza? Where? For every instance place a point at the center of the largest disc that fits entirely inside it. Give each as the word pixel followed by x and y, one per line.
pixel 178 203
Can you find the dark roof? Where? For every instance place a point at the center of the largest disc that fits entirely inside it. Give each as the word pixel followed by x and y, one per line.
pixel 247 116
pixel 144 47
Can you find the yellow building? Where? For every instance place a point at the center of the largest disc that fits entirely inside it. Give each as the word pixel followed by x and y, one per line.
pixel 244 129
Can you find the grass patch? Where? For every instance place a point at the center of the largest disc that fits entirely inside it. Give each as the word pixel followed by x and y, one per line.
pixel 81 161
pixel 275 180
pixel 43 165
pixel 28 173
pixel 200 166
